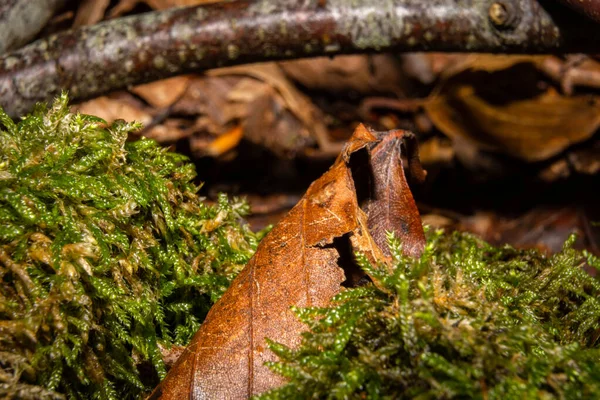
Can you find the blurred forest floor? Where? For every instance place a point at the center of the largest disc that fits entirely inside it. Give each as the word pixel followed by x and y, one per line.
pixel 510 143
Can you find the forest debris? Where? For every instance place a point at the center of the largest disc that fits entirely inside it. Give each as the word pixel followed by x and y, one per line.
pixel 293 100
pixel 361 73
pixel 586 160
pixel 451 65
pixel 90 12
pixel 578 70
pixel 272 112
pixel 112 108
pixel 533 130
pixel 225 142
pixel 543 228
pixel 274 128
pixel 124 6
pixel 209 97
pixel 94 60
pixel 558 169
pixel 481 102
pixel 436 151
pixel 581 160
pixel 302 262
pixel 165 92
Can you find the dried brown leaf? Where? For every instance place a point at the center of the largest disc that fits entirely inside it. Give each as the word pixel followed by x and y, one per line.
pixel 385 206
pixel 455 64
pixel 124 6
pixel 163 93
pixel 302 262
pixel 285 131
pixel 362 73
pixel 270 73
pixel 120 106
pixel 532 129
pixel 498 103
pixel 90 12
pixel 225 142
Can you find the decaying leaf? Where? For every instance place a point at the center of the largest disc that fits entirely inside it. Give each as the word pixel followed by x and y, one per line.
pixel 125 6
pixel 118 106
pixel 272 112
pixel 225 142
pixel 165 92
pixel 303 262
pixel 483 103
pixel 90 12
pixel 280 117
pixel 361 73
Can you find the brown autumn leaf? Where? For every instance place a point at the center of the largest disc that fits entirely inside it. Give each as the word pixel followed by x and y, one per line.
pixel 361 73
pixel 124 6
pixel 165 92
pixel 533 129
pixel 303 261
pixel 90 12
pixel 497 105
pixel 280 116
pixel 120 105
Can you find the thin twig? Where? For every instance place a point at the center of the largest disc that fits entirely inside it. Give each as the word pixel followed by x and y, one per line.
pixel 91 61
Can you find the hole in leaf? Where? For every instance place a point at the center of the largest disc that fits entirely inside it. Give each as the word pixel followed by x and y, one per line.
pixel 362 175
pixel 354 274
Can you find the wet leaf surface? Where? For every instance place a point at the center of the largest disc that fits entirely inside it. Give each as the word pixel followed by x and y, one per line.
pixel 303 261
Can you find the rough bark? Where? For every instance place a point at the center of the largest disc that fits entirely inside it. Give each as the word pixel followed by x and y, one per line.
pixel 21 20
pixel 94 60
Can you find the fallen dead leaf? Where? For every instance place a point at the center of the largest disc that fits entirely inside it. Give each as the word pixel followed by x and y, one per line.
pixel 89 12
pixel 209 97
pixel 293 100
pixel 586 160
pixel 303 261
pixel 267 109
pixel 171 130
pixel 436 151
pixel 163 93
pixel 455 64
pixel 544 228
pixel 120 106
pixel 225 142
pixel 481 101
pixel 124 6
pixel 361 73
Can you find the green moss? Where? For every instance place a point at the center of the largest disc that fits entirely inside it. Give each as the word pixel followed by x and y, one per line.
pixel 107 256
pixel 465 321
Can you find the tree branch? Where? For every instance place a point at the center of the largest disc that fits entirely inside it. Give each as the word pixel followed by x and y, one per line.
pixel 116 54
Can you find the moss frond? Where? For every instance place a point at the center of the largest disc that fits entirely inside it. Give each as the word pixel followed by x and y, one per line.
pixel 107 254
pixel 466 320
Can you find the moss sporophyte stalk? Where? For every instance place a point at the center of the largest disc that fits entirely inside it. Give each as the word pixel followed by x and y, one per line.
pixel 107 256
pixel 465 321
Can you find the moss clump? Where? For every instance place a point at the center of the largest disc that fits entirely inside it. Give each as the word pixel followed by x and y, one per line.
pixel 465 321
pixel 107 255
